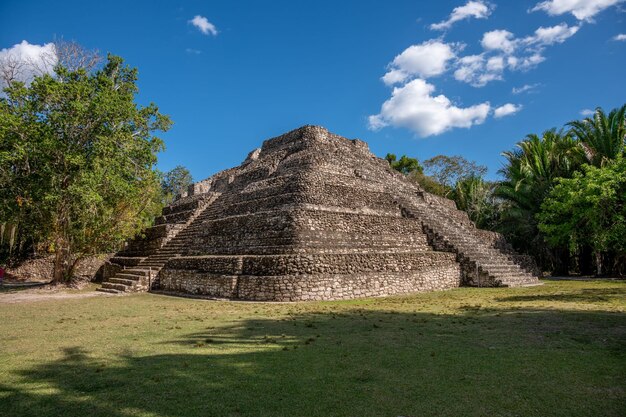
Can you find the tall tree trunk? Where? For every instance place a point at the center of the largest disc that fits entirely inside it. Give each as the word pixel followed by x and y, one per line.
pixel 598 263
pixel 585 260
pixel 61 261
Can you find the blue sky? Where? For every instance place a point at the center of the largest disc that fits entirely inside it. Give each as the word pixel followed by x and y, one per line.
pixel 449 72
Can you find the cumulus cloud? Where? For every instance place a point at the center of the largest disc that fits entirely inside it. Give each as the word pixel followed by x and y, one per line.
pixel 476 9
pixel 501 40
pixel 551 35
pixel 586 112
pixel 477 71
pixel 502 51
pixel 425 60
pixel 525 88
pixel 506 110
pixel 620 37
pixel 581 9
pixel 524 63
pixel 413 106
pixel 203 25
pixel 23 61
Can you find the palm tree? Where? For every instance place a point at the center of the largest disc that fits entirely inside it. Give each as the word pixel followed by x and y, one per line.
pixel 602 137
pixel 529 175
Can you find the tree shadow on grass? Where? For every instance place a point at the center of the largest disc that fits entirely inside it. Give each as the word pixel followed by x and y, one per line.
pixel 586 295
pixel 356 363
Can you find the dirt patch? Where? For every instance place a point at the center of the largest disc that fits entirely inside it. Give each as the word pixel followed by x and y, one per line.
pixel 31 292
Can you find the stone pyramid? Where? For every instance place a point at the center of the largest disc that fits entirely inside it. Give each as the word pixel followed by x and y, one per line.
pixel 313 216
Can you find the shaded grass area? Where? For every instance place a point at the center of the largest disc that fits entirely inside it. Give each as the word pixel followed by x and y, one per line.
pixel 555 350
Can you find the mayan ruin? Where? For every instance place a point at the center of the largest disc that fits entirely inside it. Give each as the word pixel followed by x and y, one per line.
pixel 313 216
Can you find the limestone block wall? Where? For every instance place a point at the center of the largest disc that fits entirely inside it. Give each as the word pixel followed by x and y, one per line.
pixel 298 278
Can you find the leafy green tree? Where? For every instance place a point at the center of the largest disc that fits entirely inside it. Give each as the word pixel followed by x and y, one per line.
pixel 447 170
pixel 405 164
pixel 175 182
pixel 589 209
pixel 414 171
pixel 476 197
pixel 429 184
pixel 529 175
pixel 602 136
pixel 77 159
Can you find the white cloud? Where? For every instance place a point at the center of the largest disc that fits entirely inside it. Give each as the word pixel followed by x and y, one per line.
pixel 394 76
pixel 524 63
pixel 495 63
pixel 552 35
pixel 204 25
pixel 24 61
pixel 477 9
pixel 504 51
pixel 193 51
pixel 581 9
pixel 586 112
pixel 502 40
pixel 506 110
pixel 620 37
pixel 425 60
pixel 414 107
pixel 477 71
pixel 525 88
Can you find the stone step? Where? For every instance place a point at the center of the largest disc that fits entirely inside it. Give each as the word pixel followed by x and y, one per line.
pixel 140 272
pixel 113 286
pixel 123 281
pixel 131 277
pixel 108 290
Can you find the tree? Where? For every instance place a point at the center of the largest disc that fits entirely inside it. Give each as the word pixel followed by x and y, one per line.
pixel 77 161
pixel 175 182
pixel 529 175
pixel 589 209
pixel 476 197
pixel 447 170
pixel 405 164
pixel 602 137
pixel 15 66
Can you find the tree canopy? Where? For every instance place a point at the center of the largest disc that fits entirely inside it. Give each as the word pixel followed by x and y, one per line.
pixel 588 209
pixel 77 159
pixel 405 164
pixel 447 170
pixel 175 182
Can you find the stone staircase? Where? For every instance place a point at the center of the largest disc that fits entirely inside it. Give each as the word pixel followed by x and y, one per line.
pixel 143 275
pixel 449 229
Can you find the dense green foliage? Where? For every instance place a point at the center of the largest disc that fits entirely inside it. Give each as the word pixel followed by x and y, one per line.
pixel 589 210
pixel 175 182
pixel 476 197
pixel 529 175
pixel 405 164
pixel 601 136
pixel 579 217
pixel 77 161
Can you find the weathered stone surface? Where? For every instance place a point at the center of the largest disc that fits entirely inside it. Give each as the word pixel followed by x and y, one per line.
pixel 314 216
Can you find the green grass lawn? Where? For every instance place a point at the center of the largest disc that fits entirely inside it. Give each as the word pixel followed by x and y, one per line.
pixel 554 350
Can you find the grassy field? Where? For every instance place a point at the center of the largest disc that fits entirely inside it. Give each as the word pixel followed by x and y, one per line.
pixel 554 350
